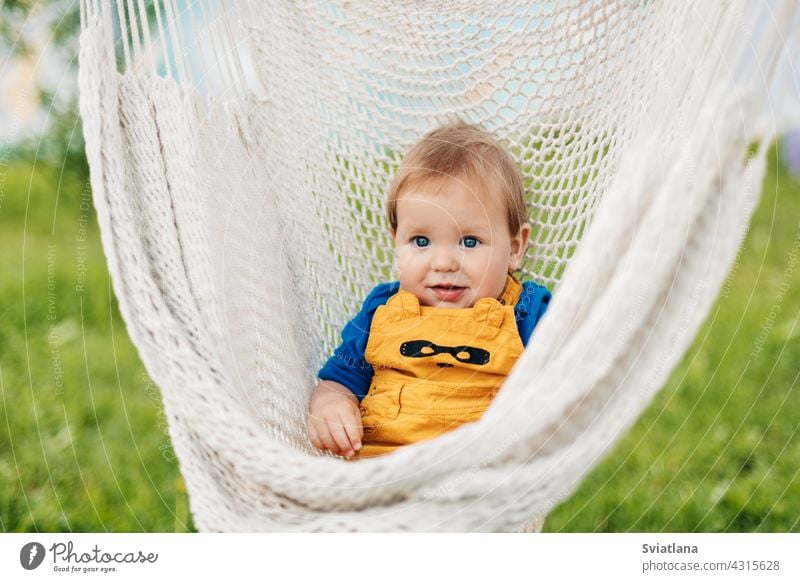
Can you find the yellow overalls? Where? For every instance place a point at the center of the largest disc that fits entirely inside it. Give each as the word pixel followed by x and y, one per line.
pixel 435 368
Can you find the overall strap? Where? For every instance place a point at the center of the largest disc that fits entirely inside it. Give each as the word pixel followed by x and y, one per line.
pixel 403 305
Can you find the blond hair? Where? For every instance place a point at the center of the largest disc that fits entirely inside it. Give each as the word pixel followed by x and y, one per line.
pixel 467 153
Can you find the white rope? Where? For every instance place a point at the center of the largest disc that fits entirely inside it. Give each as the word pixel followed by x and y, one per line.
pixel 124 34
pixel 176 41
pixel 243 235
pixel 162 34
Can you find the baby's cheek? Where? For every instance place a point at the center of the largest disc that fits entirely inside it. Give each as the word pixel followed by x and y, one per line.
pixel 401 260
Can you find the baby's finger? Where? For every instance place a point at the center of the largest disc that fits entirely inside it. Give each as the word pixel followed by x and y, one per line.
pixel 350 429
pixel 352 422
pixel 339 433
pixel 327 440
pixel 313 436
pixel 360 425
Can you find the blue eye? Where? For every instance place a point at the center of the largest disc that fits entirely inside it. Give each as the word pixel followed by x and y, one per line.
pixel 420 241
pixel 470 242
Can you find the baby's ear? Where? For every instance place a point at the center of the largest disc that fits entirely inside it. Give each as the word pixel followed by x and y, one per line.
pixel 519 245
pixel 392 233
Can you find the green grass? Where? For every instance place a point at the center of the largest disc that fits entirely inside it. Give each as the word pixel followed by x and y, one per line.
pixel 87 450
pixel 83 441
pixel 719 448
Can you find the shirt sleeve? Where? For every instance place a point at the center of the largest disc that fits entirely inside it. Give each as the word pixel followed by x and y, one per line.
pixel 348 365
pixel 531 307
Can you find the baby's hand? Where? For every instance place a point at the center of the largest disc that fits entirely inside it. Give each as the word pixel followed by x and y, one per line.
pixel 334 420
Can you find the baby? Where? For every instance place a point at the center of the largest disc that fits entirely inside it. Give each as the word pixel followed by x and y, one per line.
pixel 427 353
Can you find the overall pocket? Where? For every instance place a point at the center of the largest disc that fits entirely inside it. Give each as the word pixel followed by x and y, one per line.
pixel 379 406
pixel 447 406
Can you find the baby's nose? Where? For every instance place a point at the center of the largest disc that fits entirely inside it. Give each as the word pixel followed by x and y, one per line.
pixel 445 260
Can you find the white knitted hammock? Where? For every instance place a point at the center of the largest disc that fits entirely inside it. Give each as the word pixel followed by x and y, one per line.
pixel 240 155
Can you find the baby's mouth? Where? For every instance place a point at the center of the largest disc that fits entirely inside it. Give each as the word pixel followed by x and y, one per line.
pixel 449 293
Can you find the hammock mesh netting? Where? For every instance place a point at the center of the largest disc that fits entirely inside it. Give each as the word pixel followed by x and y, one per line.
pixel 240 156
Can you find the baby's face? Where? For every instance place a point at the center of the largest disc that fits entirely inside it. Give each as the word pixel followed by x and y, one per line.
pixel 453 246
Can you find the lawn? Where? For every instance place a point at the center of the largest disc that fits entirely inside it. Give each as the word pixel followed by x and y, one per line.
pixel 84 444
pixel 719 448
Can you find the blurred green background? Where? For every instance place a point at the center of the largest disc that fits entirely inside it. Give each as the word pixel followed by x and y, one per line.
pixel 84 444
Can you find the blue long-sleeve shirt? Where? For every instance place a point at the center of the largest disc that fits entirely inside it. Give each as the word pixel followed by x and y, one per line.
pixel 348 365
